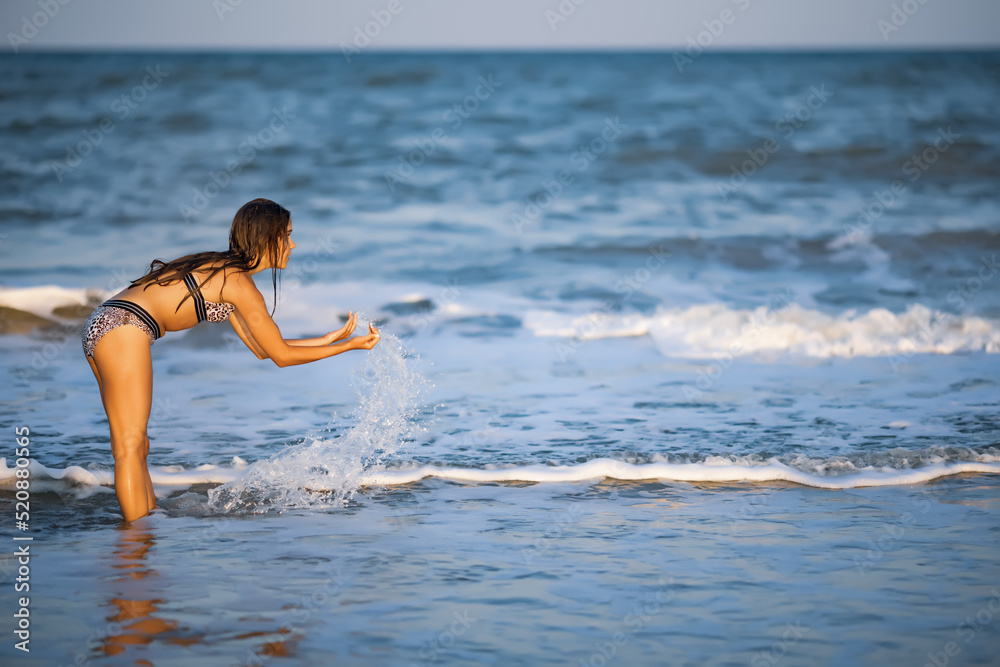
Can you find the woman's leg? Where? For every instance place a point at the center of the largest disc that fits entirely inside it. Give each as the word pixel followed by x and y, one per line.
pixel 124 368
pixel 150 498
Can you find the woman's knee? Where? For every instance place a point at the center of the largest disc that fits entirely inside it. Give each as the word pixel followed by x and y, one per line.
pixel 126 457
pixel 129 445
pixel 136 433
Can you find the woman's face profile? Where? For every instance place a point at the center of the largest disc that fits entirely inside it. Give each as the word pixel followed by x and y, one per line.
pixel 289 244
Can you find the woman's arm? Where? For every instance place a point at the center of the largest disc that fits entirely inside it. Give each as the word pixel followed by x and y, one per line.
pixel 332 337
pixel 240 326
pixel 254 326
pixel 241 329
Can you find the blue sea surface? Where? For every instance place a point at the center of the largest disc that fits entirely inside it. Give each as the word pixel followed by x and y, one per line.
pixel 680 367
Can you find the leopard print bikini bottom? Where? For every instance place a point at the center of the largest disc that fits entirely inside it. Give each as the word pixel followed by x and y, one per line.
pixel 113 314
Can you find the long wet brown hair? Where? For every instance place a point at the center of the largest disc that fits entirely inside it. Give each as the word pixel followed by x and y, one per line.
pixel 259 230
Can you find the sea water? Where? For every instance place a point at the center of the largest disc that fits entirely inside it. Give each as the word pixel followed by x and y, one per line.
pixel 327 471
pixel 637 399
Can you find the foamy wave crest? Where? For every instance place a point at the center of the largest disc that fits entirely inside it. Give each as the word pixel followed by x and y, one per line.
pixel 318 474
pixel 45 300
pixel 82 482
pixel 712 330
pixel 838 473
pixel 328 471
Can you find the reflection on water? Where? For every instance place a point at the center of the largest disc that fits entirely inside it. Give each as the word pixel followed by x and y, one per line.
pixel 136 598
pixel 139 628
pixel 274 648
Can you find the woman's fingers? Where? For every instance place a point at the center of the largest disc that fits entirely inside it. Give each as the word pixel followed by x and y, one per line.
pixel 349 325
pixel 372 338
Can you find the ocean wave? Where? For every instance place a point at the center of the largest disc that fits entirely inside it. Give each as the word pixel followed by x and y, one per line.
pixel 83 482
pixel 293 481
pixel 710 471
pixel 698 331
pixel 50 301
pixel 715 330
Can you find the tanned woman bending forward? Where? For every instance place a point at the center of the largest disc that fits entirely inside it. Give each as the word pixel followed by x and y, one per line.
pixel 177 295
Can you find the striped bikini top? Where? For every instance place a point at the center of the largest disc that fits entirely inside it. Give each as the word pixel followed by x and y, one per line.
pixel 206 310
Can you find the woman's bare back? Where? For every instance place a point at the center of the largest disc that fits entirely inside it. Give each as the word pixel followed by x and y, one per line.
pixel 161 301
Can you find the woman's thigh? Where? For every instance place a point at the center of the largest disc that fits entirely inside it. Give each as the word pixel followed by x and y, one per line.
pixel 124 368
pixel 97 375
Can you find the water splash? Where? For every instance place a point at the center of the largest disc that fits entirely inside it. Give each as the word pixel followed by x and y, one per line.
pixel 327 471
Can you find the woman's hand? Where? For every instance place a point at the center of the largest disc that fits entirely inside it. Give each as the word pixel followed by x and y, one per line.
pixel 346 330
pixel 366 342
pixel 327 339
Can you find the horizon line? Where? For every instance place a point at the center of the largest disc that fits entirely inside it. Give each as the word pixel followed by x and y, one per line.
pixel 808 49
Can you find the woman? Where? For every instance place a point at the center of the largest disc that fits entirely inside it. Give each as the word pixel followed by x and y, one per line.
pixel 177 295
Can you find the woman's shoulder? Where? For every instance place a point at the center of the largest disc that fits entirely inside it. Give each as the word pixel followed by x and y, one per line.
pixel 218 268
pixel 233 280
pixel 216 262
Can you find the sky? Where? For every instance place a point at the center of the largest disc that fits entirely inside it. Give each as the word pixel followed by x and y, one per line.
pixel 339 25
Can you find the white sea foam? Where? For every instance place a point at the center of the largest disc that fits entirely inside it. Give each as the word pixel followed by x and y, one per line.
pixel 711 330
pixel 709 471
pixel 44 299
pixel 83 482
pixel 328 472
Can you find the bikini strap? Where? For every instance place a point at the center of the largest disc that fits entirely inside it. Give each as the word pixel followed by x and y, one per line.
pixel 199 300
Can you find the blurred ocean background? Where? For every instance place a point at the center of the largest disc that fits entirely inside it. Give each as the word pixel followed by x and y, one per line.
pixel 687 364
